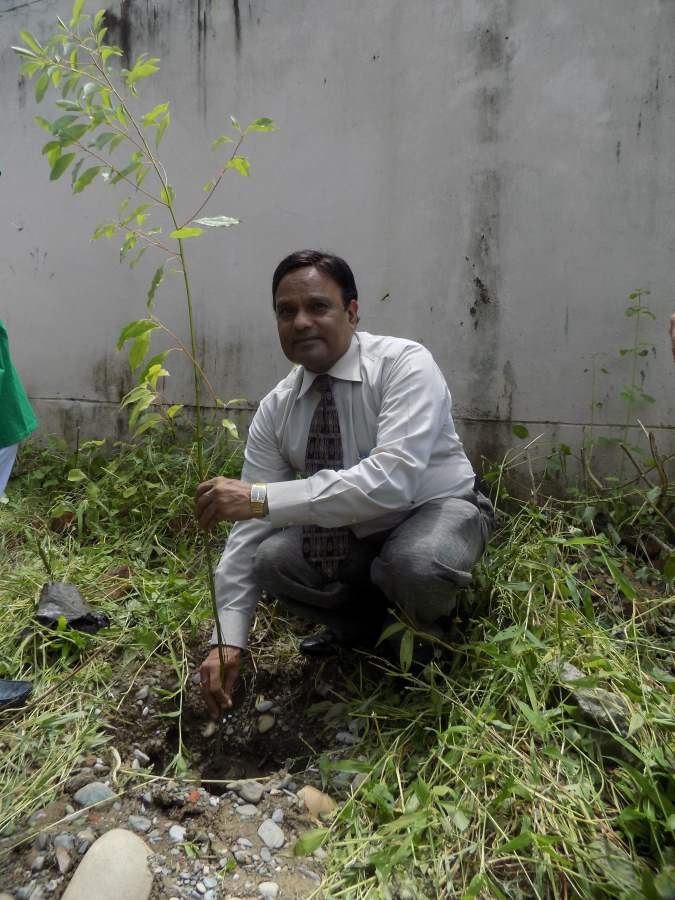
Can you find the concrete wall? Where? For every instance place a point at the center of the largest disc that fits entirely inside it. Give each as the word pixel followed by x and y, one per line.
pixel 501 170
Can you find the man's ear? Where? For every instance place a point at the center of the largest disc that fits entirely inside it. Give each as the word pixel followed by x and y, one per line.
pixel 353 312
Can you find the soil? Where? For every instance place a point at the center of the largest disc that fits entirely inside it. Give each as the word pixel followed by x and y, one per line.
pixel 280 759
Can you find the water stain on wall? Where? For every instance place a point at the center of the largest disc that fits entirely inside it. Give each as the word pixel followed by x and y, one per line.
pixel 111 377
pixel 120 29
pixel 491 56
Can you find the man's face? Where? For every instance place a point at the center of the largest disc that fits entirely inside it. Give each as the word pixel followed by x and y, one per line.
pixel 315 329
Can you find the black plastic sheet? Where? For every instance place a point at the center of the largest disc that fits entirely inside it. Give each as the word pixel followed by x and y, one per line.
pixel 58 598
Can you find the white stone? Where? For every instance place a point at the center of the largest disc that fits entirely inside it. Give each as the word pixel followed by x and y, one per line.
pixel 248 790
pixel 268 889
pixel 271 835
pixel 176 834
pixel 114 868
pixel 247 810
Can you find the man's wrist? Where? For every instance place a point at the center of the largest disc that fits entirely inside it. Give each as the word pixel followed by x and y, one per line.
pixel 258 500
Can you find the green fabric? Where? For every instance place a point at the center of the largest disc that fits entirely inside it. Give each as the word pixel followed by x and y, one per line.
pixel 17 419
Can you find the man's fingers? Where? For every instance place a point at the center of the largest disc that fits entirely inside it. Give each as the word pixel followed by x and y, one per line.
pixel 204 486
pixel 209 700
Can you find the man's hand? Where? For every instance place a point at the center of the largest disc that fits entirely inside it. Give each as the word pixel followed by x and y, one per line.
pixel 222 499
pixel 217 694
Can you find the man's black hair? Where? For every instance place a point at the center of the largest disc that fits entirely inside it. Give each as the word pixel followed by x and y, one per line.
pixel 333 266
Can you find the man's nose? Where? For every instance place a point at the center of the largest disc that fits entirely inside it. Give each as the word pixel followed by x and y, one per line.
pixel 301 321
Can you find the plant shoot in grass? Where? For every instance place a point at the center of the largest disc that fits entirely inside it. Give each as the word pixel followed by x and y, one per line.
pixel 100 133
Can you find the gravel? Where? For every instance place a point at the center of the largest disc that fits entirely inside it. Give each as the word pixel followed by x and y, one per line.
pixel 271 835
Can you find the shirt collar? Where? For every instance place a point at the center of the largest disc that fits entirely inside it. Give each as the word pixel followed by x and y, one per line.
pixel 348 368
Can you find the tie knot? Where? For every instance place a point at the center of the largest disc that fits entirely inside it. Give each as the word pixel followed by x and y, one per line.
pixel 323 384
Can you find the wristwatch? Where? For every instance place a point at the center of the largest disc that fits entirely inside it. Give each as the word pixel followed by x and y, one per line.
pixel 258 500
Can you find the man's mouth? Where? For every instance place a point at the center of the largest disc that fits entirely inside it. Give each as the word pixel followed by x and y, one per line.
pixel 309 340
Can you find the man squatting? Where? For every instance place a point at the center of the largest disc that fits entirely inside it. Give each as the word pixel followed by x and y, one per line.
pixel 387 513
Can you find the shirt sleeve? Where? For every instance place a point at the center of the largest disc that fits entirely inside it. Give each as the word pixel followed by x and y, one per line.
pixel 415 406
pixel 237 594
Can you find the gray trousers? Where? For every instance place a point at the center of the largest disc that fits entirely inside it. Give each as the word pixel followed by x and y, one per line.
pixel 416 568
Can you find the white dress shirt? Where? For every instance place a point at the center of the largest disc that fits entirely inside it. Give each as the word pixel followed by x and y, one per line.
pixel 400 449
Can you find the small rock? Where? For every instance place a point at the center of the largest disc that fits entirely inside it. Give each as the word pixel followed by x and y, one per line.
pixel 209 729
pixel 278 816
pixel 64 860
pixel 116 866
pixel 248 790
pixel 38 863
pixel 65 840
pixel 358 779
pixel 96 792
pixel 42 840
pixel 242 857
pixel 265 854
pixel 177 833
pixel 244 842
pixel 271 835
pixel 266 722
pixel 268 889
pixel 143 758
pixel 214 802
pixel 140 824
pixel 23 893
pixel 85 776
pixel 200 887
pixel 145 712
pixel 246 810
pixel 263 706
pixel 142 693
pixel 135 765
pixel 346 737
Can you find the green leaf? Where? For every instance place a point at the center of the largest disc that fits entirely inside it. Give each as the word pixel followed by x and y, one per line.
pixel 263 124
pixel 154 114
pixel 157 279
pixel 406 649
pixel 135 329
pixel 231 428
pixel 86 178
pixel 23 52
pixel 156 360
pixel 188 232
pixel 221 139
pixel 139 349
pixel 239 164
pixel 310 841
pixel 235 123
pixel 43 123
pixel 76 475
pixel 28 38
pixel 76 13
pixel 669 568
pixel 167 194
pixel 161 128
pixel 622 583
pixel 173 410
pixel 41 86
pixel 394 628
pixel 217 221
pixel 60 166
pixel 147 422
pixel 522 840
pixel 106 230
pixel 520 431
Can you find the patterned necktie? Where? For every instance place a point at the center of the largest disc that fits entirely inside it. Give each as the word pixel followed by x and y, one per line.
pixel 324 548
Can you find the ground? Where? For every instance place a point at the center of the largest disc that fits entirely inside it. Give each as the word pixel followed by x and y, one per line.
pixel 492 771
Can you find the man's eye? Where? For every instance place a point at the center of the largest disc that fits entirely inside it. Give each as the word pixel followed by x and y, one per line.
pixel 319 307
pixel 285 314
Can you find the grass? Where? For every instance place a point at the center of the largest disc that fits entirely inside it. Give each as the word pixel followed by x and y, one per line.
pixel 477 777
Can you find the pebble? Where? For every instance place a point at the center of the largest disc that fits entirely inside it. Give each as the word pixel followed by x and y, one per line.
pixel 271 835
pixel 200 887
pixel 96 792
pixel 142 693
pixel 278 816
pixel 143 758
pixel 263 706
pixel 268 889
pixel 266 854
pixel 41 842
pixel 140 824
pixel 145 712
pixel 242 857
pixel 247 810
pixel 65 840
pixel 116 866
pixel 209 729
pixel 177 833
pixel 75 782
pixel 346 737
pixel 214 801
pixel 64 860
pixel 244 842
pixel 38 863
pixel 251 791
pixel 266 722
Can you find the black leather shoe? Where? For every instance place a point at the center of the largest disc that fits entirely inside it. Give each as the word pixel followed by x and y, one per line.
pixel 321 644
